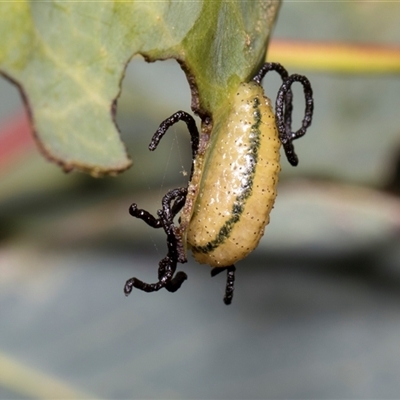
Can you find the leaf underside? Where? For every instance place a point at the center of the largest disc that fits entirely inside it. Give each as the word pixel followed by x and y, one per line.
pixel 68 60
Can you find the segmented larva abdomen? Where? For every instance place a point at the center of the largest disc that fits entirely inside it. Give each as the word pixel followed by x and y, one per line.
pixel 238 186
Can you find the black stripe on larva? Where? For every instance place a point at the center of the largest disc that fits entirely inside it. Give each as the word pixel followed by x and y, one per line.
pixel 249 173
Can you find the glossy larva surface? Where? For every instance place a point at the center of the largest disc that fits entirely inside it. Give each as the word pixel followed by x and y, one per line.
pixel 238 186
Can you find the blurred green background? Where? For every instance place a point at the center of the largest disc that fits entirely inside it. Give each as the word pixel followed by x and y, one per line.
pixel 316 311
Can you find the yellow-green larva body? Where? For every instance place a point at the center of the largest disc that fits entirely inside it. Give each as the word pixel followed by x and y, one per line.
pixel 238 185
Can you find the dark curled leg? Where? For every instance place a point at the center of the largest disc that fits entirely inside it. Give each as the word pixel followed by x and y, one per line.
pixel 172 203
pixel 284 76
pixel 173 119
pixel 145 216
pixel 175 282
pixel 284 107
pixel 288 97
pixel 230 281
pixel 284 124
pixel 152 287
pixel 270 67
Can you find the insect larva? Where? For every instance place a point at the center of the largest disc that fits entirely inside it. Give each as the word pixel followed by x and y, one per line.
pixel 238 186
pixel 233 181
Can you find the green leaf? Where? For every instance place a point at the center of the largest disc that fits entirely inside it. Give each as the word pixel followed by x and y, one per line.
pixel 68 59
